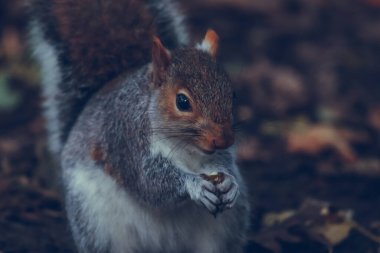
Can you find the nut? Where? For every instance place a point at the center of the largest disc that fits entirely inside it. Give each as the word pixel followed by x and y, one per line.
pixel 214 177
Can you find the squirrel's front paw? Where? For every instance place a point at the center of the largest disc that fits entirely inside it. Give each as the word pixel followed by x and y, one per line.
pixel 228 190
pixel 203 193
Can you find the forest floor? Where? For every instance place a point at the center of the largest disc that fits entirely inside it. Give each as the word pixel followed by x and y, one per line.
pixel 306 74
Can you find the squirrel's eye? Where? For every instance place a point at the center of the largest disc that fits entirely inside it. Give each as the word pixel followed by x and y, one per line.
pixel 183 103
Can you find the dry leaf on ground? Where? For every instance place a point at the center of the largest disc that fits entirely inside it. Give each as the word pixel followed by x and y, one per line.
pixel 374 117
pixel 315 220
pixel 313 139
pixel 248 148
pixel 274 89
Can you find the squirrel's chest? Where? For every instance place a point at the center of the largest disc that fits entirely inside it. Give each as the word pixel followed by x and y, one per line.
pixel 121 223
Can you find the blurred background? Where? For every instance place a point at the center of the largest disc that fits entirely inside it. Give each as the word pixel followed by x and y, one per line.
pixel 307 78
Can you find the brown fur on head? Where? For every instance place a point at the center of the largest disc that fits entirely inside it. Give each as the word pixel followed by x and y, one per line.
pixel 193 75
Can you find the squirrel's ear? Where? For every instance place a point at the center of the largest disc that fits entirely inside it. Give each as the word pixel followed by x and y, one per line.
pixel 210 43
pixel 161 59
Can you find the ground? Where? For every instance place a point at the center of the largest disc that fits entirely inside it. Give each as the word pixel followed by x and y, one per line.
pixel 306 75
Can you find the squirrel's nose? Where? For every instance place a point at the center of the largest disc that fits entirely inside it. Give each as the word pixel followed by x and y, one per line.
pixel 224 141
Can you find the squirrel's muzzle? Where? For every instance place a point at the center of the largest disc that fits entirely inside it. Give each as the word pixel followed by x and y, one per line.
pixel 216 137
pixel 224 141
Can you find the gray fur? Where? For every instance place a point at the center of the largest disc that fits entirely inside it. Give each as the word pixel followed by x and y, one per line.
pixel 65 94
pixel 170 23
pixel 159 208
pixel 129 187
pixel 47 55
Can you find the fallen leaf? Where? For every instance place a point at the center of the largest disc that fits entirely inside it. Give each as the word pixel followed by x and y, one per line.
pixel 313 139
pixel 317 220
pixel 273 89
pixel 334 233
pixel 271 219
pixel 374 117
pixel 9 146
pixel 248 149
pixel 12 44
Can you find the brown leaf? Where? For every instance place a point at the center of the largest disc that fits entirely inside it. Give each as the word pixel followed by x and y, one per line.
pixel 314 139
pixel 9 146
pixel 11 43
pixel 315 219
pixel 248 148
pixel 273 89
pixel 374 116
pixel 273 218
pixel 334 233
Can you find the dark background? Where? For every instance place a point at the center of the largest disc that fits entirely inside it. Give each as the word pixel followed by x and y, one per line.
pixel 306 74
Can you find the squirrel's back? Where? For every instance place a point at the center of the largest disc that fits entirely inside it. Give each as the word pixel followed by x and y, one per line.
pixel 83 44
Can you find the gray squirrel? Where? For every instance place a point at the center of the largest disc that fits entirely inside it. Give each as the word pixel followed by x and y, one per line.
pixel 138 128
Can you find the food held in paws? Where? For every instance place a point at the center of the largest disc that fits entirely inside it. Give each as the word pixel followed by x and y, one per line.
pixel 214 177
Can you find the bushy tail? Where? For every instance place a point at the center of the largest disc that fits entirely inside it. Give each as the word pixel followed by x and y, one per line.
pixel 83 44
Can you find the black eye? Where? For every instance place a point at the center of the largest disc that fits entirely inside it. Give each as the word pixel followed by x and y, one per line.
pixel 183 103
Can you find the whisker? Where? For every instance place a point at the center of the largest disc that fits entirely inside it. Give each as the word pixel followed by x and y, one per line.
pixel 174 149
pixel 184 143
pixel 182 136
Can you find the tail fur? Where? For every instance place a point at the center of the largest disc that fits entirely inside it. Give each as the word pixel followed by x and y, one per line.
pixel 83 44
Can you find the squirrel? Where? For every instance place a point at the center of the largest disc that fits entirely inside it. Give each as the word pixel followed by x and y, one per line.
pixel 139 119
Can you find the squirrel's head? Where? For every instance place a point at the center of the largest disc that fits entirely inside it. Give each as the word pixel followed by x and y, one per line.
pixel 194 95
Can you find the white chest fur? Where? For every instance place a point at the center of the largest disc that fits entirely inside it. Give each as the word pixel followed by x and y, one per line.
pixel 117 219
pixel 188 160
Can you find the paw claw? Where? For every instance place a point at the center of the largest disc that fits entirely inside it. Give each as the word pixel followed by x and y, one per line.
pixel 229 190
pixel 203 193
pixel 214 197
